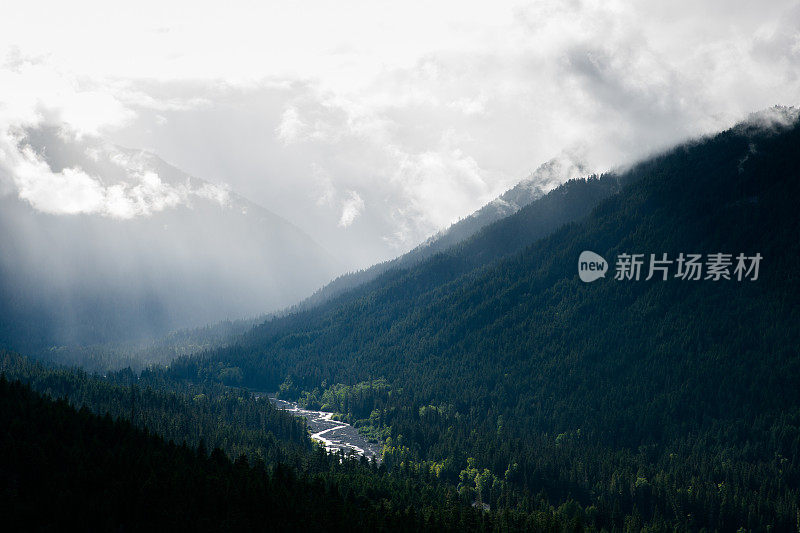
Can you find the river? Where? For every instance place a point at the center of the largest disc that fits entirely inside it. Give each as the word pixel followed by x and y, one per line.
pixel 332 434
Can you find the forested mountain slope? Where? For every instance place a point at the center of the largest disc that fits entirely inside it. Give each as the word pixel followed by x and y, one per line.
pixel 527 191
pixel 472 242
pixel 70 469
pixel 216 415
pixel 568 202
pixel 133 451
pixel 476 240
pixel 673 403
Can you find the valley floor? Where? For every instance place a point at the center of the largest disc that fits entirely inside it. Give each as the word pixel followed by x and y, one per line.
pixel 332 434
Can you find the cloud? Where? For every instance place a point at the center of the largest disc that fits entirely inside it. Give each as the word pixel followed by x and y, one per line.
pixel 326 192
pixel 291 128
pixel 435 186
pixel 351 209
pixel 77 111
pixel 35 91
pixel 70 191
pixel 128 188
pixel 424 129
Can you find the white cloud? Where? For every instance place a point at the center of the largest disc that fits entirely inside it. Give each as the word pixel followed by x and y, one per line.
pixel 70 191
pixel 427 128
pixel 218 194
pixel 35 91
pixel 351 209
pixel 325 191
pixel 468 106
pixel 136 190
pixel 436 186
pixel 291 128
pixel 36 94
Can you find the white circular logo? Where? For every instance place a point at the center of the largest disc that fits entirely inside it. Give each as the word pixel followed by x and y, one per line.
pixel 591 266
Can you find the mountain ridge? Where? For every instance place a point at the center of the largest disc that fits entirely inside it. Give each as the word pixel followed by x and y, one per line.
pixel 618 395
pixel 545 178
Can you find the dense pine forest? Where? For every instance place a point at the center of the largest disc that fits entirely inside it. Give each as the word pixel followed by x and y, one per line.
pixel 117 452
pixel 67 468
pixel 667 404
pixel 507 394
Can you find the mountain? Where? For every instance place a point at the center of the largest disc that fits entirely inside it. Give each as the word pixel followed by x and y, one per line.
pixel 548 176
pixel 545 178
pixel 567 202
pixel 667 404
pixel 70 469
pixel 146 249
pixel 105 457
pixel 470 239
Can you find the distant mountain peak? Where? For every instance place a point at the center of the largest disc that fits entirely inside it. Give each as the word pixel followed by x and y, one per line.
pixel 545 178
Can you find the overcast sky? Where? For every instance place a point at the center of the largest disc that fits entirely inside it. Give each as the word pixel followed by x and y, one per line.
pixel 373 124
